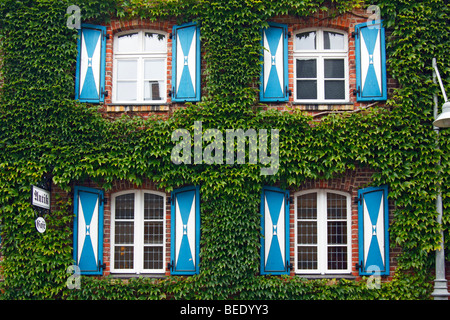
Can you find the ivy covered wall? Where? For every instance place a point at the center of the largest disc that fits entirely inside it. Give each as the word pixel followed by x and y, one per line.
pixel 44 132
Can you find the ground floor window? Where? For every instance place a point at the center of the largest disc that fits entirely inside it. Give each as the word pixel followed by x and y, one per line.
pixel 138 232
pixel 322 232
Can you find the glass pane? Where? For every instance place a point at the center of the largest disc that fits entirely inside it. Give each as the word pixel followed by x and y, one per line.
pixel 126 91
pixel 123 257
pixel 126 69
pixel 306 68
pixel 307 258
pixel 306 232
pixel 334 68
pixel 305 41
pixel 124 232
pixel 128 43
pixel 125 206
pixel 153 257
pixel 333 40
pixel 334 89
pixel 336 206
pixel 307 89
pixel 153 90
pixel 154 69
pixel 337 258
pixel 307 206
pixel 153 206
pixel 153 233
pixel 337 232
pixel 155 42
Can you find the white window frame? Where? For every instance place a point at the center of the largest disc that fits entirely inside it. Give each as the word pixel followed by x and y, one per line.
pixel 140 56
pixel 138 255
pixel 320 54
pixel 322 233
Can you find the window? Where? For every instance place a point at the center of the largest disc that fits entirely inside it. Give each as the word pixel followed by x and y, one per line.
pixel 322 232
pixel 321 67
pixel 140 67
pixel 138 232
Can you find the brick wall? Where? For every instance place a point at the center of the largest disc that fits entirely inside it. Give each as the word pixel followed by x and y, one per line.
pixel 349 182
pixel 117 186
pixel 345 22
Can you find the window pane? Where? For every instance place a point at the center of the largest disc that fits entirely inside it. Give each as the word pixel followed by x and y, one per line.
pixel 128 43
pixel 123 257
pixel 124 232
pixel 306 232
pixel 153 90
pixel 126 91
pixel 333 40
pixel 337 258
pixel 154 69
pixel 334 68
pixel 307 206
pixel 153 206
pixel 305 41
pixel 337 232
pixel 335 89
pixel 307 258
pixel 306 89
pixel 306 68
pixel 336 206
pixel 153 232
pixel 125 206
pixel 153 258
pixel 126 69
pixel 154 42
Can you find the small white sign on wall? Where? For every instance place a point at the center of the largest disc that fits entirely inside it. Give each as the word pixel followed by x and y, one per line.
pixel 40 197
pixel 40 224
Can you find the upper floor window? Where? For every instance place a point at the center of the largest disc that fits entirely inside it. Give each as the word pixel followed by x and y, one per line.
pixel 140 67
pixel 321 66
pixel 322 232
pixel 138 232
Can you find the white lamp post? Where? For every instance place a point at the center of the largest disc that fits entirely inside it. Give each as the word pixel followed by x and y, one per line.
pixel 442 121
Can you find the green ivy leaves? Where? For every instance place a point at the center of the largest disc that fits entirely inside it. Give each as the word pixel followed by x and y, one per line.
pixel 43 130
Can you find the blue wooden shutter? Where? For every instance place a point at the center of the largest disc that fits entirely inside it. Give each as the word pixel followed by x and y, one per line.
pixel 186 63
pixel 373 221
pixel 185 231
pixel 275 228
pixel 274 74
pixel 370 62
pixel 90 73
pixel 88 230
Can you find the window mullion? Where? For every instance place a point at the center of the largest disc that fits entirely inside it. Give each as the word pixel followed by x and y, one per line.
pixel 322 232
pixel 138 227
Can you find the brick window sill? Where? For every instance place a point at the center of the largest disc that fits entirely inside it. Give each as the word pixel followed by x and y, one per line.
pixel 136 108
pixel 326 276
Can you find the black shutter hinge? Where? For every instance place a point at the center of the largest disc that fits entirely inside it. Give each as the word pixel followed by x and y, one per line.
pixel 288 198
pixel 289 265
pixel 288 91
pixel 358 200
pixel 170 265
pixel 359 266
pixel 103 200
pixel 100 265
pixel 356 92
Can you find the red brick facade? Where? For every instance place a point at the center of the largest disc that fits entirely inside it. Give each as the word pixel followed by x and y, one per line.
pixel 350 182
pixel 345 22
